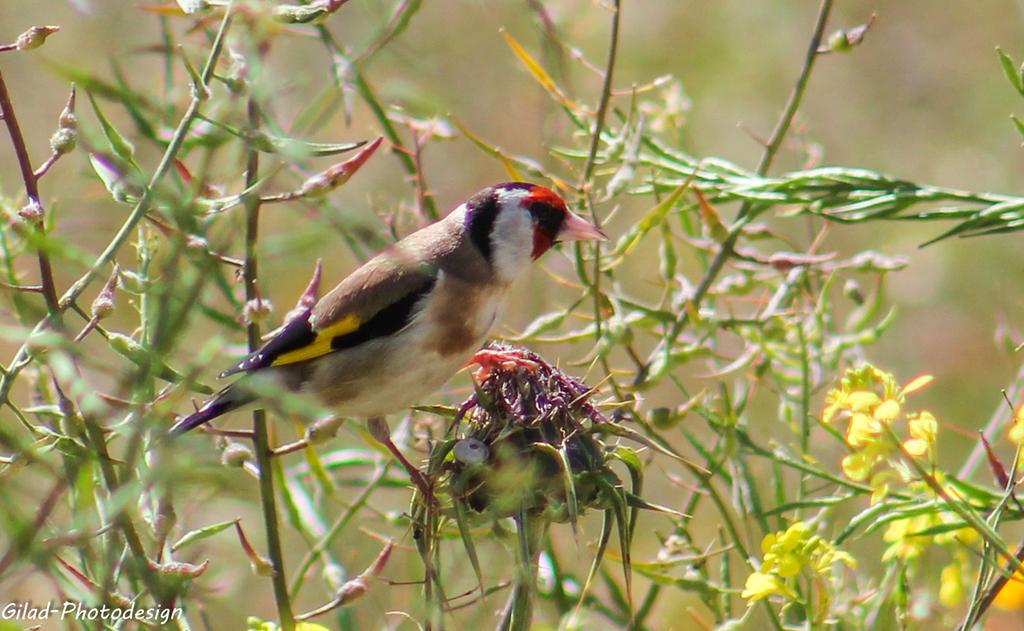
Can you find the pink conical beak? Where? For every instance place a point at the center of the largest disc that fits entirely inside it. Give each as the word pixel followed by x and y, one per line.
pixel 576 228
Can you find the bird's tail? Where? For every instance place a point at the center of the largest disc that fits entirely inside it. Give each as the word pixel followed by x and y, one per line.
pixel 228 399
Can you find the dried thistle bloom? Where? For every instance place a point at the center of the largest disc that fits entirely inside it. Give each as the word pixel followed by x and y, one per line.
pixel 526 446
pixel 527 441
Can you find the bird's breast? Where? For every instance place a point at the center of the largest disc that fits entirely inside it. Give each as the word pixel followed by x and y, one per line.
pixel 459 316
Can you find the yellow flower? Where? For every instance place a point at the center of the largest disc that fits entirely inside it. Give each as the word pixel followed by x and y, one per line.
pixel 1016 434
pixel 1011 596
pixel 923 425
pixel 857 466
pixel 310 626
pixel 862 401
pixel 863 430
pixel 888 411
pixel 835 402
pixel 951 585
pixel 760 585
pixel 916 447
pixel 786 555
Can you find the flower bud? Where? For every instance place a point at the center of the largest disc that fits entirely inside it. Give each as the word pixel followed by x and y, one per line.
pixel 177 569
pixel 838 42
pixel 323 430
pixel 34 37
pixel 336 175
pixel 103 305
pixel 237 76
pixel 256 310
pixel 352 590
pixel 663 418
pixel 235 455
pixel 32 213
pixel 301 14
pixel 852 290
pixel 63 140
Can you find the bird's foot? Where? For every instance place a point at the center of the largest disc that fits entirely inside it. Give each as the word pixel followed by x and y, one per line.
pixel 381 433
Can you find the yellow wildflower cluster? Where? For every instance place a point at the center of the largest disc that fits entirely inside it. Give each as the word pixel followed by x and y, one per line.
pixel 872 402
pixel 789 553
pixel 908 538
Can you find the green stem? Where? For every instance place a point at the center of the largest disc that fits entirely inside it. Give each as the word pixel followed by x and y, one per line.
pixel 261 440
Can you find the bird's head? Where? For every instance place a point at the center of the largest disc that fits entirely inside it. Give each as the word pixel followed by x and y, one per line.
pixel 516 222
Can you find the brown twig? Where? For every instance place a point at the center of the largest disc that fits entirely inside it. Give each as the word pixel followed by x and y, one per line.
pixel 31 182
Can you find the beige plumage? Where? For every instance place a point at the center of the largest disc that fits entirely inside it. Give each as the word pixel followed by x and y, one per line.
pixel 402 324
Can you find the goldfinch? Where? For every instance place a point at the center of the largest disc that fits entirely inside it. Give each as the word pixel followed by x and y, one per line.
pixel 402 324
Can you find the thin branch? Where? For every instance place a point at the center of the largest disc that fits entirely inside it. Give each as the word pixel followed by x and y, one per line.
pixel 606 93
pixel 28 176
pixel 588 171
pixel 260 438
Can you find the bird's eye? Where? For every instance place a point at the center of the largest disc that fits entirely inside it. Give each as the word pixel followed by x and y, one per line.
pixel 547 217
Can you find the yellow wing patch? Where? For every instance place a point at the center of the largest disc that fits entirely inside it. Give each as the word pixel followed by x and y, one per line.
pixel 321 345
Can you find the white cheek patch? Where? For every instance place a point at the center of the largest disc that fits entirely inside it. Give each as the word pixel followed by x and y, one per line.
pixel 511 242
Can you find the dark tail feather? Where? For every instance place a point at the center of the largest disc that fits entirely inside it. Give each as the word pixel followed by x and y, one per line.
pixel 228 399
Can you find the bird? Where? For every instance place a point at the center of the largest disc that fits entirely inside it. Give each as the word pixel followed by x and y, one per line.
pixel 402 324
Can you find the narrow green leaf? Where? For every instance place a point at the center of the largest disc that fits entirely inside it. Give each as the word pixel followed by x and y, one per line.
pixel 193 536
pixel 1010 70
pixel 118 143
pixel 1018 123
pixel 649 221
pixel 462 520
pixel 821 502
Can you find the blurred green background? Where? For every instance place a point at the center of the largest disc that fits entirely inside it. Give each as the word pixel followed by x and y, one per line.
pixel 923 99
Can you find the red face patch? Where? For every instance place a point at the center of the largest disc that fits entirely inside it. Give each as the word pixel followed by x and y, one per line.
pixel 548 211
pixel 541 195
pixel 541 243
